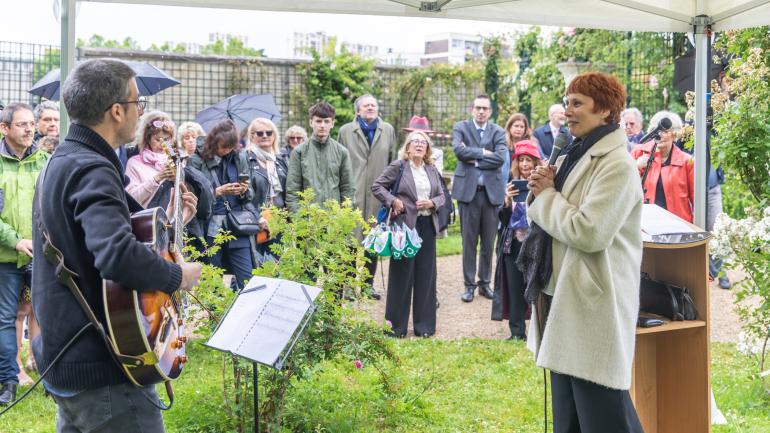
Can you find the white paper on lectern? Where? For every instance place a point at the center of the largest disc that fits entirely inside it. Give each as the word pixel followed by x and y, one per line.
pixel 658 221
pixel 260 323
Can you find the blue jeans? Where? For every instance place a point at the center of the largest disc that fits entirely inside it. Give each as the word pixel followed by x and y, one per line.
pixel 11 279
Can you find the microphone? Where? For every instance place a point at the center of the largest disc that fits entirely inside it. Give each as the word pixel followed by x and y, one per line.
pixel 560 142
pixel 663 125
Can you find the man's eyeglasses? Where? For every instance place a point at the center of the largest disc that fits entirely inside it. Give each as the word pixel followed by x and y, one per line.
pixel 477 108
pixel 24 125
pixel 298 138
pixel 268 133
pixel 141 104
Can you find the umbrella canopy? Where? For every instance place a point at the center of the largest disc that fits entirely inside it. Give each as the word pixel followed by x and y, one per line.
pixel 241 109
pixel 684 70
pixel 149 79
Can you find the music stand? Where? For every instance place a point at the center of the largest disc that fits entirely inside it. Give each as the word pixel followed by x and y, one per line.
pixel 263 323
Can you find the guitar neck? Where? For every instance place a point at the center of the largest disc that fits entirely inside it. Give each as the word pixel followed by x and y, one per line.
pixel 178 223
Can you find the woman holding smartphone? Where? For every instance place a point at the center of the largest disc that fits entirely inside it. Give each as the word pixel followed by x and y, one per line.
pixel 508 302
pixel 226 167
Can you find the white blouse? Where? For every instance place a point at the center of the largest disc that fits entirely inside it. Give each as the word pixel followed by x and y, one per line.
pixel 422 185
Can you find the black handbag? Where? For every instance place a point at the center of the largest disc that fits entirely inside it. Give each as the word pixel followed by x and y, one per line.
pixel 446 213
pixel 667 300
pixel 241 222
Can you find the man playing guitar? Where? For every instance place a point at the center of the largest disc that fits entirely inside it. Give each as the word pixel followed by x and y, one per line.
pixel 83 210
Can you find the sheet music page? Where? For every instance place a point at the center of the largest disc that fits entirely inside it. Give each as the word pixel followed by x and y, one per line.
pixel 657 221
pixel 261 323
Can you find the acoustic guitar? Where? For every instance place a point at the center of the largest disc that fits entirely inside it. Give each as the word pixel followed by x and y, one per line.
pixel 149 325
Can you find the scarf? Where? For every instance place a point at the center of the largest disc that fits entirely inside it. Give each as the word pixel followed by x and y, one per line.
pixel 272 172
pixel 156 160
pixel 369 129
pixel 535 258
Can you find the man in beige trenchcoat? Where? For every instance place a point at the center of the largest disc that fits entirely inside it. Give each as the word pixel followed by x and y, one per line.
pixel 371 143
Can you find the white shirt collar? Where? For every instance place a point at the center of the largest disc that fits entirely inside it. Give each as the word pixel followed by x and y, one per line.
pixel 483 128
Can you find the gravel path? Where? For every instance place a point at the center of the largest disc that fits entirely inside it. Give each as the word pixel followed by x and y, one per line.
pixel 457 319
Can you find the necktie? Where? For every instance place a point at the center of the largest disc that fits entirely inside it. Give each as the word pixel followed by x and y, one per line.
pixel 481 132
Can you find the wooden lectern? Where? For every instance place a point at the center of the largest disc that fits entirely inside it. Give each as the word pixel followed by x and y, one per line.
pixel 671 374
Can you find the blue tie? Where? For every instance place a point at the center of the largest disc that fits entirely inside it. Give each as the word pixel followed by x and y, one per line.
pixel 481 175
pixel 481 132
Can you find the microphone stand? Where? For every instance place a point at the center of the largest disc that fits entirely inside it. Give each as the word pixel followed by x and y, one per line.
pixel 647 168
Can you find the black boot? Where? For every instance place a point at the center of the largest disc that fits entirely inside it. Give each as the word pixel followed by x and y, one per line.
pixel 8 393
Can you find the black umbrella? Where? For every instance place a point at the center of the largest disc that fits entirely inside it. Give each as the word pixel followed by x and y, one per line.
pixel 684 71
pixel 241 109
pixel 149 79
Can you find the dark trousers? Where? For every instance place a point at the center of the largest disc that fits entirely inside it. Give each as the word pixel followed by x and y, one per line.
pixel 236 261
pixel 514 284
pixel 580 406
pixel 371 266
pixel 110 409
pixel 414 278
pixel 478 221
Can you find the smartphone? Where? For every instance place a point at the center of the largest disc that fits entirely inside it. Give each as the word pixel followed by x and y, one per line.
pixel 521 185
pixel 243 178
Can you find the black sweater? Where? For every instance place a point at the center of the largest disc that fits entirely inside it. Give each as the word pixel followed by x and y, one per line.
pixel 85 210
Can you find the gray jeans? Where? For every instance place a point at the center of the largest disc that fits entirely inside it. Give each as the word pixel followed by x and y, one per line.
pixel 114 409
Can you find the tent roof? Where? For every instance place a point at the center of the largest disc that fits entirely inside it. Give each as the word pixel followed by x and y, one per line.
pixel 638 15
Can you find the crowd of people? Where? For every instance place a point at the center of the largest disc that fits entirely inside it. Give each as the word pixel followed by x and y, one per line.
pixel 514 208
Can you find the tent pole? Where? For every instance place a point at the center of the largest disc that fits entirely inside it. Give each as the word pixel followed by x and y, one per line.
pixel 68 12
pixel 702 28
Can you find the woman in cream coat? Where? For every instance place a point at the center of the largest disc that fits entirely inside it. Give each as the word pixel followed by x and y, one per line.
pixel 591 208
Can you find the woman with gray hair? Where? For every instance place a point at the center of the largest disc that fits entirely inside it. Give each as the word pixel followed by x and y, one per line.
pixel 670 182
pixel 187 136
pixel 293 137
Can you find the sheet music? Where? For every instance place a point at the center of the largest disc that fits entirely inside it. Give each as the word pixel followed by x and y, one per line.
pixel 261 321
pixel 658 221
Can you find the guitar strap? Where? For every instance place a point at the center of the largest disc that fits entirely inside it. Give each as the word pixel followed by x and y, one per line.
pixel 66 277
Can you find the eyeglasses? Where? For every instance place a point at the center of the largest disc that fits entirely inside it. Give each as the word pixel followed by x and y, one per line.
pixel 141 104
pixel 268 133
pixel 418 141
pixel 296 138
pixel 477 108
pixel 24 125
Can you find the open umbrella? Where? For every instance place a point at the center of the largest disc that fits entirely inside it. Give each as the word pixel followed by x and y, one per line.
pixel 149 79
pixel 684 70
pixel 241 109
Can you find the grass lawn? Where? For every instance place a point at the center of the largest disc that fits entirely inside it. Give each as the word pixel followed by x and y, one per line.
pixel 442 386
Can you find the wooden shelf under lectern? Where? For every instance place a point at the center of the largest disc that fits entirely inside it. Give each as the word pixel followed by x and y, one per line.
pixel 671 376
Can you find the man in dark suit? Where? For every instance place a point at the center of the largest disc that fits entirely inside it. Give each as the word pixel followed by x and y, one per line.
pixel 479 187
pixel 546 133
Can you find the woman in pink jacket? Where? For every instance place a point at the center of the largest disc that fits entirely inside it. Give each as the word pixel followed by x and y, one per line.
pixel 152 166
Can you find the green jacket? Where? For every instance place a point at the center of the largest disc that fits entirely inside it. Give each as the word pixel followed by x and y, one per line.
pixel 17 180
pixel 323 167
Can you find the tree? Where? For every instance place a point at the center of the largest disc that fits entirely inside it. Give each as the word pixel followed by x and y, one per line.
pixel 234 47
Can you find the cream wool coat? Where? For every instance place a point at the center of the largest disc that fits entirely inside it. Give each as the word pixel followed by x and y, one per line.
pixel 595 222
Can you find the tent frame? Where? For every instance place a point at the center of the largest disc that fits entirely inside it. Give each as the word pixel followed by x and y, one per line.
pixel 701 25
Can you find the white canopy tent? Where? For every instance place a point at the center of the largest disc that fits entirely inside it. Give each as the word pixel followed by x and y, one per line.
pixel 697 16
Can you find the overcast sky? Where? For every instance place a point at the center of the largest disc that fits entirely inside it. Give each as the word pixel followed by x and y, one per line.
pixel 33 21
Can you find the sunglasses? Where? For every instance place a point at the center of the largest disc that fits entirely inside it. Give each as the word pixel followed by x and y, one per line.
pixel 158 124
pixel 268 133
pixel 297 138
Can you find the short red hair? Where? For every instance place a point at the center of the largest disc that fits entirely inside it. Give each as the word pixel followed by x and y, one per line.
pixel 604 89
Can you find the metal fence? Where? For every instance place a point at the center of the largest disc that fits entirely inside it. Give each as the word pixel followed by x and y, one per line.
pixel 208 79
